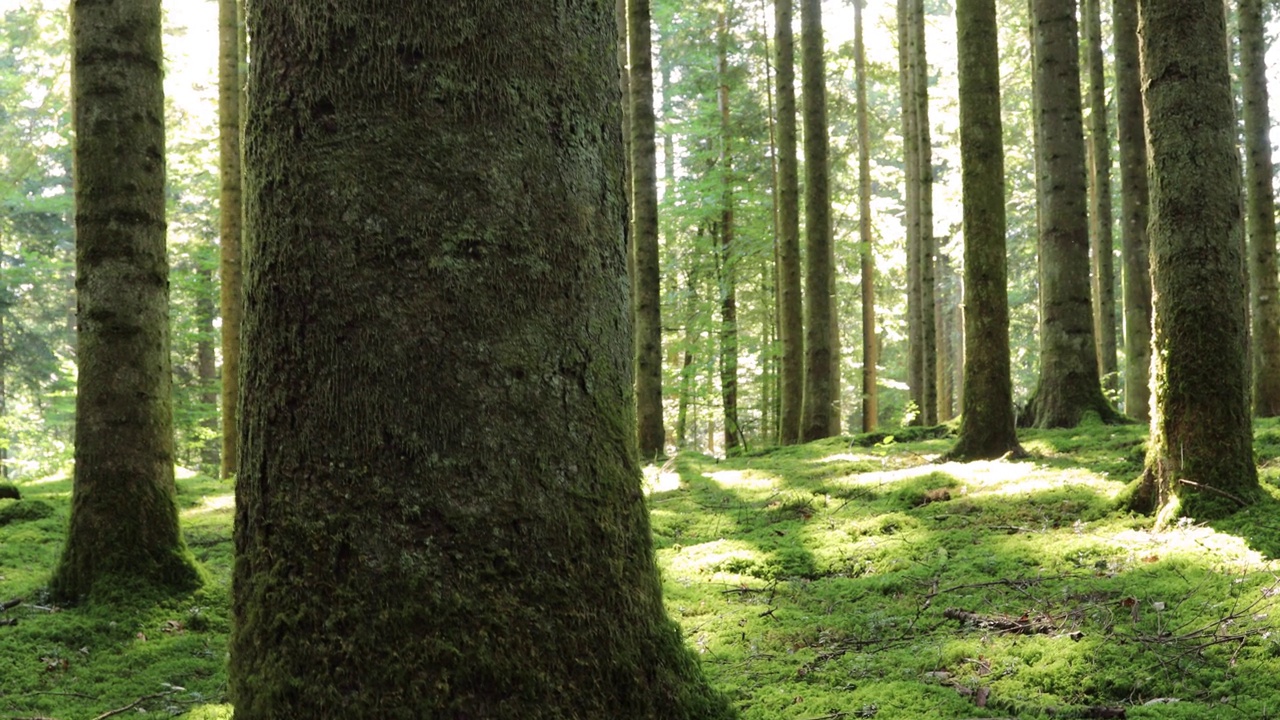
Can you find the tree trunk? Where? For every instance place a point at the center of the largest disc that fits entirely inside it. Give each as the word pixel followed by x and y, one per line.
pixel 1201 449
pixel 927 250
pixel 230 57
pixel 207 368
pixel 870 349
pixel 1133 212
pixel 437 344
pixel 819 385
pixel 728 264
pixel 1069 384
pixel 644 171
pixel 124 523
pixel 624 81
pixel 911 211
pixel 1261 211
pixel 987 425
pixel 1102 243
pixel 789 298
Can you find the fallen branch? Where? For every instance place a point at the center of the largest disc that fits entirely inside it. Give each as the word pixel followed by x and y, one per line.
pixel 1020 626
pixel 132 705
pixel 1210 488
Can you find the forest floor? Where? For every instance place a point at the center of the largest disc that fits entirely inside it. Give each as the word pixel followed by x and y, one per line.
pixel 848 578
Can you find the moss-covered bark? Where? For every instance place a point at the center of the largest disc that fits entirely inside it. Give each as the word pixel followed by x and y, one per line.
pixel 1133 212
pixel 987 426
pixel 1101 239
pixel 819 280
pixel 439 511
pixel 870 348
pixel 791 309
pixel 124 524
pixel 1069 384
pixel 1201 431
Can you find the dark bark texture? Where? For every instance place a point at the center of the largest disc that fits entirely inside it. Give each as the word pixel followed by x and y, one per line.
pixel 819 291
pixel 124 523
pixel 439 513
pixel 1101 238
pixel 870 348
pixel 791 325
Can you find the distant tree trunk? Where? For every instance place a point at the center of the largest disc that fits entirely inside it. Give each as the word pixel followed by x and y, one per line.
pixel 644 170
pixel 819 385
pixel 728 264
pixel 870 348
pixel 791 308
pixel 1201 446
pixel 1265 283
pixel 987 425
pixel 124 522
pixel 4 368
pixel 911 211
pixel 928 251
pixel 1133 212
pixel 450 362
pixel 1102 242
pixel 942 302
pixel 207 367
pixel 230 58
pixel 1069 384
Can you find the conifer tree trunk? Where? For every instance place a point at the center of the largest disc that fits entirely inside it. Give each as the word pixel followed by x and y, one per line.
pixel 644 171
pixel 728 263
pixel 870 348
pixel 1069 384
pixel 1201 446
pixel 624 80
pixel 206 366
pixel 928 253
pixel 911 213
pixel 819 293
pixel 987 425
pixel 791 308
pixel 124 523
pixel 1133 212
pixel 230 58
pixel 1260 213
pixel 1101 240
pixel 437 338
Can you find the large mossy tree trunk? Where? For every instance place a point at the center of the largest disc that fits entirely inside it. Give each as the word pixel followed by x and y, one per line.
pixel 791 308
pixel 1133 212
pixel 1069 384
pixel 987 425
pixel 648 284
pixel 438 510
pixel 1200 450
pixel 1101 238
pixel 124 522
pixel 866 251
pixel 1261 213
pixel 230 79
pixel 819 280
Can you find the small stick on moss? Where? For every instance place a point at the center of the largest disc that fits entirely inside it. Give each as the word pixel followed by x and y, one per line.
pixel 132 705
pixel 1210 488
pixel 10 604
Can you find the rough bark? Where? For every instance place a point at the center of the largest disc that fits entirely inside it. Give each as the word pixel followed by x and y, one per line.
pixel 1069 384
pixel 1101 239
pixel 911 211
pixel 230 58
pixel 644 178
pixel 437 342
pixel 927 246
pixel 870 348
pixel 124 523
pixel 791 308
pixel 1200 450
pixel 1133 212
pixel 624 81
pixel 1260 213
pixel 819 292
pixel 728 263
pixel 987 425
pixel 207 367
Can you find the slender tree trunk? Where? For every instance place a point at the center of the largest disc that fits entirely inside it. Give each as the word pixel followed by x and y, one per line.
pixel 928 251
pixel 728 263
pixel 790 306
pixel 624 81
pixel 870 349
pixel 1069 384
pixel 1102 243
pixel 819 385
pixel 230 57
pixel 124 522
pixel 1201 446
pixel 1261 211
pixel 1133 212
pixel 4 369
pixel 911 213
pixel 452 362
pixel 987 425
pixel 942 321
pixel 207 367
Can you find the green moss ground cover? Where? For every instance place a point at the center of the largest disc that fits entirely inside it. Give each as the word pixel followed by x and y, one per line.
pixel 847 578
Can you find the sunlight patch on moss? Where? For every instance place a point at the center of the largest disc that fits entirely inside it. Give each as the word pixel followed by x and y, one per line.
pixel 852 457
pixel 722 559
pixel 742 479
pixel 211 504
pixel 657 479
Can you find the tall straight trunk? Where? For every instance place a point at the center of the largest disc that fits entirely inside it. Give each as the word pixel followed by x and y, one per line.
pixel 773 362
pixel 928 252
pixel 124 521
pixel 942 321
pixel 1133 212
pixel 819 293
pixel 987 425
pixel 453 362
pixel 206 365
pixel 1261 213
pixel 728 263
pixel 644 170
pixel 1101 240
pixel 4 368
pixel 790 306
pixel 911 213
pixel 230 80
pixel 1069 383
pixel 1201 445
pixel 624 81
pixel 870 349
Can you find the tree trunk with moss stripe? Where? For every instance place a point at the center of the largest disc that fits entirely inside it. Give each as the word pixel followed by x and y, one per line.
pixel 439 511
pixel 124 523
pixel 1201 430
